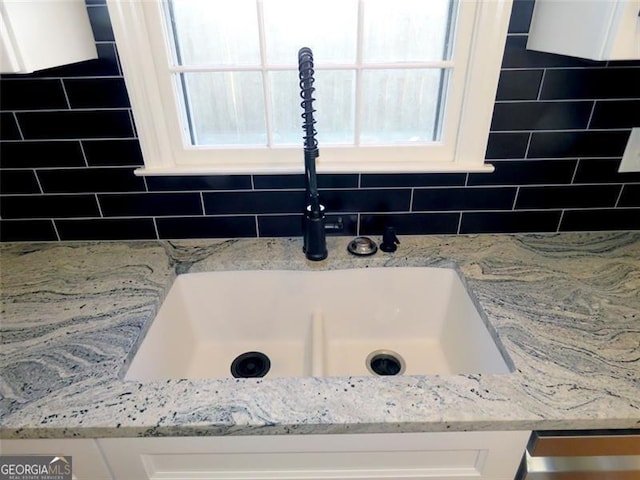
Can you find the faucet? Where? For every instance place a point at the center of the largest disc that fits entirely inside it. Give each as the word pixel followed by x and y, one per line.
pixel 315 241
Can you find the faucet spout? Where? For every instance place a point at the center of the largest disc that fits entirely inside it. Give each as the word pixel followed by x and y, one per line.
pixel 315 243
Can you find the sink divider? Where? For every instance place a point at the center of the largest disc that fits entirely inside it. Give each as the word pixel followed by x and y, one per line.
pixel 317 344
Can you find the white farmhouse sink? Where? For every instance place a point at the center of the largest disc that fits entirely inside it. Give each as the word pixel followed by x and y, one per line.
pixel 419 321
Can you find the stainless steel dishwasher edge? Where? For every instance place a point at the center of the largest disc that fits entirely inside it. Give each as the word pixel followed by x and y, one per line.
pixel 582 455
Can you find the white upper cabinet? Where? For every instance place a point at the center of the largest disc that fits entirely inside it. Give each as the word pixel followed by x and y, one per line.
pixel 39 34
pixel 593 29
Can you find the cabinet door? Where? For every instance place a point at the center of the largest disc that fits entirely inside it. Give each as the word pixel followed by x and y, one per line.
pixel 432 456
pixel 598 30
pixel 86 459
pixel 38 34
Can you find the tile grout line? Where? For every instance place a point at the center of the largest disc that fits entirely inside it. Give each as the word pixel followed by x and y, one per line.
pixel 55 229
pixel 566 100
pixel 593 109
pixel 544 74
pixel 399 213
pixel 526 151
pixel 99 206
pixel 84 154
pixel 564 130
pixel 222 192
pixel 560 220
pixel 203 210
pixel 66 95
pixel 155 227
pixel 619 196
pixel 70 139
pixel 35 174
pixel 575 172
pixel 70 110
pixel 15 118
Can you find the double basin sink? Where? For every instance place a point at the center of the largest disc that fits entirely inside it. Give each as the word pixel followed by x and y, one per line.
pixel 289 323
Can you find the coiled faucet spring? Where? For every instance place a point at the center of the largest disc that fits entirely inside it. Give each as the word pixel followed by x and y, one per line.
pixel 306 75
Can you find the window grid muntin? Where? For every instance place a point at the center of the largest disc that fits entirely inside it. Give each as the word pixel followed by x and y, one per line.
pixel 446 66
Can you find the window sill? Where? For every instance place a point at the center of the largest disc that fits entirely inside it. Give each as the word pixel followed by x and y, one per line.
pixel 286 169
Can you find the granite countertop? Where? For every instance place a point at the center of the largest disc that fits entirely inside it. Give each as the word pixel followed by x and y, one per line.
pixel 566 308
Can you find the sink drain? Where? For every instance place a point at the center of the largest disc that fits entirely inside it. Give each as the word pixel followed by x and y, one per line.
pixel 250 365
pixel 385 362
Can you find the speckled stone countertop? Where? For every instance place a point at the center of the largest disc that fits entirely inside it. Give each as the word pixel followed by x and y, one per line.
pixel 565 307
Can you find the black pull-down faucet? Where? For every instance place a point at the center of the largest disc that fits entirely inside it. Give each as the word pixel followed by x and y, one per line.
pixel 315 242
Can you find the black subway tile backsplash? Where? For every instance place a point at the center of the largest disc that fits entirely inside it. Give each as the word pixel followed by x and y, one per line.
pixel 630 196
pixel 41 154
pixel 9 127
pixel 526 172
pixel 75 124
pixel 253 202
pixel 606 219
pixel 521 16
pixel 100 23
pixel 469 198
pixel 68 149
pixel 291 225
pixel 96 93
pixel 208 182
pixel 49 206
pixel 413 180
pixel 591 83
pixel 112 153
pixel 27 231
pixel 507 145
pixel 280 225
pixel 19 181
pixel 76 180
pixel 107 229
pixel 616 114
pixel 269 182
pixel 207 227
pixel 510 222
pixel 603 170
pixel 609 143
pixel 150 204
pixel 519 84
pixel 21 94
pixel 568 196
pixel 541 116
pixel 366 200
pixel 411 223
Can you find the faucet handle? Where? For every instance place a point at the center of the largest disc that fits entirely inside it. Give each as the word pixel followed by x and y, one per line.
pixel 334 226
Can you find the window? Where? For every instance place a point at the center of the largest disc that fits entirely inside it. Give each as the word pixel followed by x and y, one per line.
pixel 401 86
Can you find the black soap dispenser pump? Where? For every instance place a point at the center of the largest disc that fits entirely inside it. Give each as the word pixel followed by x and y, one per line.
pixel 389 240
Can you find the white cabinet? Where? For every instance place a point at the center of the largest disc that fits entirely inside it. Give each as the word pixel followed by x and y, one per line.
pixel 86 460
pixel 38 34
pixel 593 29
pixel 433 456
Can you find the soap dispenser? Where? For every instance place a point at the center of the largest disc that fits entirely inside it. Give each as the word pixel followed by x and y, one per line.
pixel 389 240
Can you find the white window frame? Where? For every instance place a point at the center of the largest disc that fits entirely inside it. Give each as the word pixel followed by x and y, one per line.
pixel 141 40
